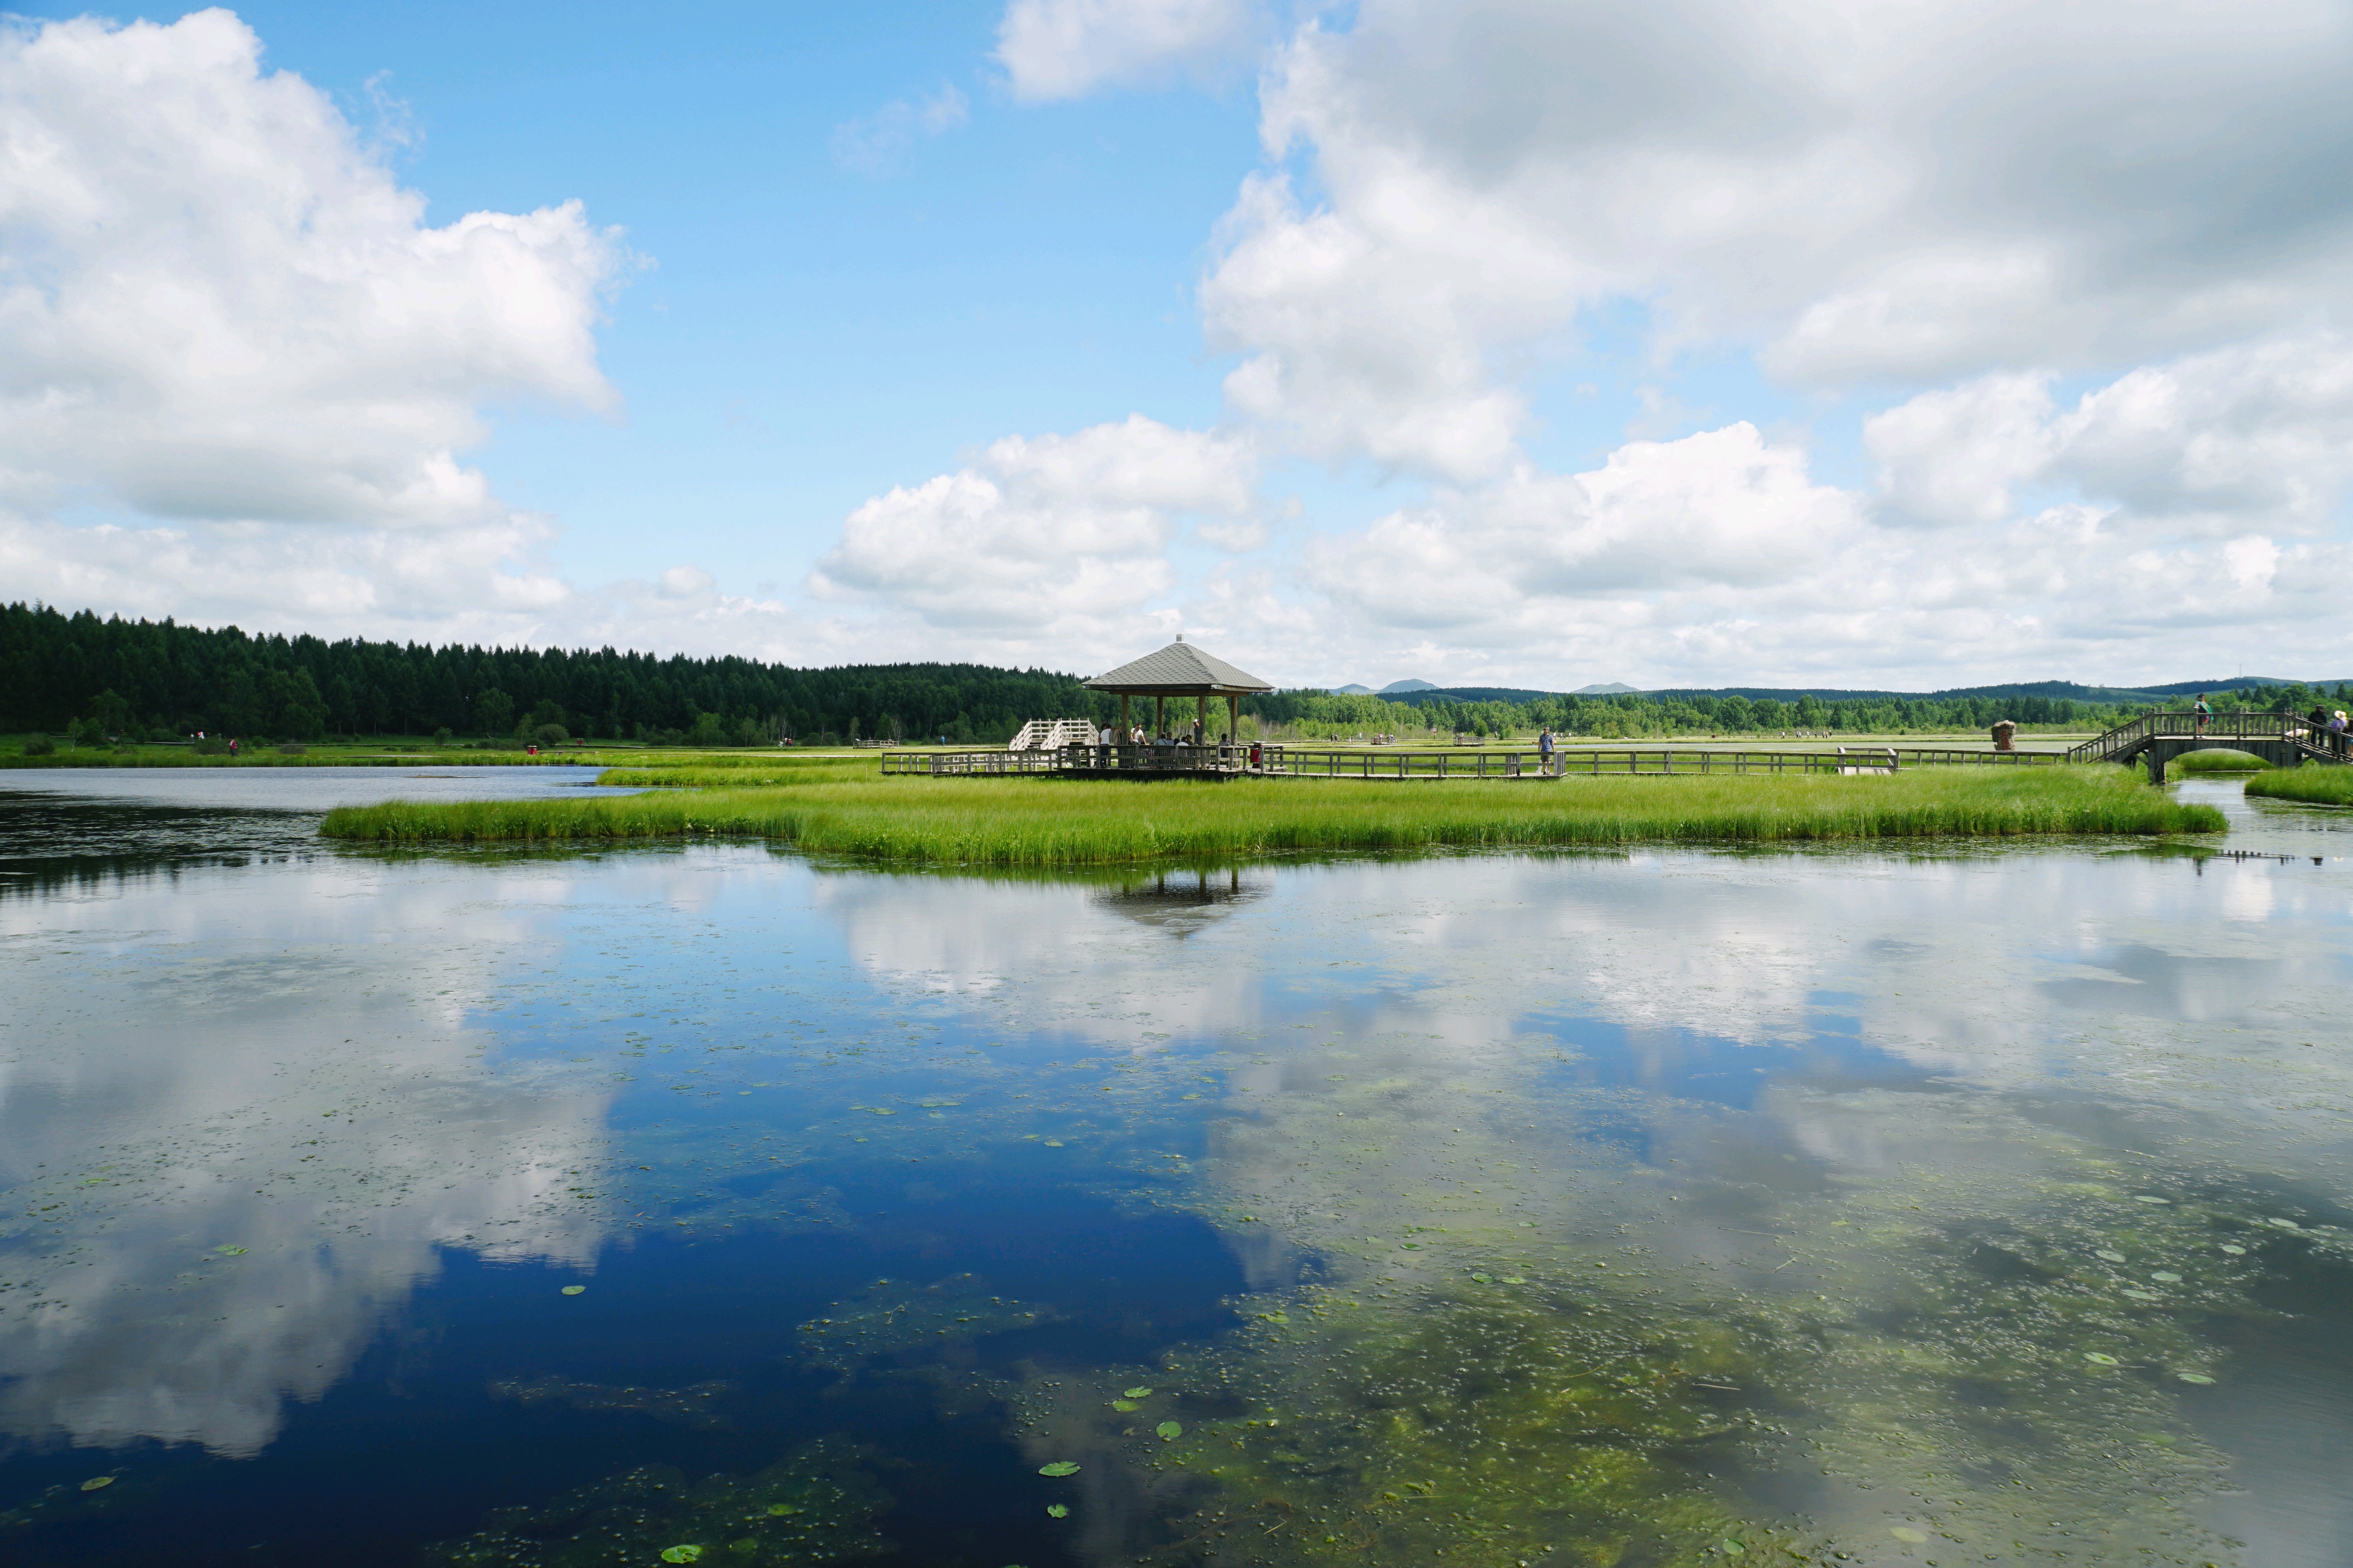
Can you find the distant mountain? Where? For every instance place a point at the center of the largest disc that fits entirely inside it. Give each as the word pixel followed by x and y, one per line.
pixel 1398 687
pixel 1351 690
pixel 1615 689
pixel 1470 694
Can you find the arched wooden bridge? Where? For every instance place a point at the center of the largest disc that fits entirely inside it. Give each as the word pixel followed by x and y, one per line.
pixel 2283 740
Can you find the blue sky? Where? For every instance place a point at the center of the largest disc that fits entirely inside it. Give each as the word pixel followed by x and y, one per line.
pixel 1494 341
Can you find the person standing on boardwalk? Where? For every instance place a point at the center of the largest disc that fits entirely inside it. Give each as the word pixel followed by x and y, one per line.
pixel 1544 752
pixel 2202 711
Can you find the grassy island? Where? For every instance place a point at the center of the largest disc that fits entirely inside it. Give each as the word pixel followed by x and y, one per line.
pixel 1066 822
pixel 2314 785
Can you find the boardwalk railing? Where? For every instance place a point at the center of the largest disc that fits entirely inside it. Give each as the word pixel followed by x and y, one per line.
pixel 1387 762
pixel 1591 761
pixel 1140 760
pixel 2165 725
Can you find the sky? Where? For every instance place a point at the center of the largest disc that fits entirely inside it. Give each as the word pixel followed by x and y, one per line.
pixel 1509 342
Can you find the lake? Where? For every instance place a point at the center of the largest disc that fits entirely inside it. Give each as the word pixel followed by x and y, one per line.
pixel 705 1203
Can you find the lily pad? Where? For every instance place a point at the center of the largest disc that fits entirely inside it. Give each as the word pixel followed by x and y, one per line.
pixel 1058 1511
pixel 1059 1469
pixel 2165 1277
pixel 1170 1431
pixel 779 1509
pixel 1514 1279
pixel 574 1290
pixel 1137 1394
pixel 2111 1257
pixel 2147 1198
pixel 2285 1224
pixel 1483 1278
pixel 227 1251
pixel 1125 1404
pixel 682 1555
pixel 2098 1359
pixel 1053 1143
pixel 1731 1548
pixel 2200 1378
pixel 2141 1295
pixel 2232 1251
pixel 97 1483
pixel 1905 1532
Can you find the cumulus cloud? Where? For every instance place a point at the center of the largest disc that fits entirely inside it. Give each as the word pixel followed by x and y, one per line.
pixel 1047 536
pixel 2258 435
pixel 1068 48
pixel 222 319
pixel 1931 190
pixel 1722 508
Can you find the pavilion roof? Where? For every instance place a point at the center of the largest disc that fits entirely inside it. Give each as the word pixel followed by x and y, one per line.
pixel 1178 669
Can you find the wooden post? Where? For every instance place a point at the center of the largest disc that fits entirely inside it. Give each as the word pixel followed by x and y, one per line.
pixel 1159 717
pixel 1122 718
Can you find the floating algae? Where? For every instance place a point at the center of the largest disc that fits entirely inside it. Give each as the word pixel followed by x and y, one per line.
pixel 891 1318
pixel 829 1505
pixel 694 1405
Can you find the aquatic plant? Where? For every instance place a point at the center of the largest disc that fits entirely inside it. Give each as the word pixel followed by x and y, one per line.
pixel 1044 822
pixel 817 1505
pixel 2321 786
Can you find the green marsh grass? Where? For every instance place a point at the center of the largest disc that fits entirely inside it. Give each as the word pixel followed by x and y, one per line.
pixel 2217 762
pixel 1016 822
pixel 2314 784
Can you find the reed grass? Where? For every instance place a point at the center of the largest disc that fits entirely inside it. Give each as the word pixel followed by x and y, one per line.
pixel 1016 822
pixel 2314 785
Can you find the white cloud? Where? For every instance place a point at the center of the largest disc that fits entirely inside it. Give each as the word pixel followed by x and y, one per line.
pixel 1934 190
pixel 218 311
pixel 879 143
pixel 1720 508
pixel 1050 538
pixel 2258 434
pixel 1068 48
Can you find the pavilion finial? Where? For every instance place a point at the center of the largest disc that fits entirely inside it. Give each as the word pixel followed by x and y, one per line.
pixel 1180 636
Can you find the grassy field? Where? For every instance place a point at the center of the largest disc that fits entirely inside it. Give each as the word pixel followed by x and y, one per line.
pixel 2315 784
pixel 1015 822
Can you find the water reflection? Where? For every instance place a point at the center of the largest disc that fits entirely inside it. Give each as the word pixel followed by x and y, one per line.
pixel 1630 1202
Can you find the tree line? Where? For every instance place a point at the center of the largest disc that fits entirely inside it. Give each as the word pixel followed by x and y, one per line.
pixel 157 679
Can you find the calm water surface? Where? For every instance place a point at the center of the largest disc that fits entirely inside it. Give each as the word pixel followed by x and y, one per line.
pixel 1963 1206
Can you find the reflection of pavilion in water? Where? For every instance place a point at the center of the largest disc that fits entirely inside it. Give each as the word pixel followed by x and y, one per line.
pixel 1182 902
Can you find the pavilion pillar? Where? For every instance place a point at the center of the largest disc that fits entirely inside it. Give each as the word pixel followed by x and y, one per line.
pixel 1233 719
pixel 1122 718
pixel 1159 717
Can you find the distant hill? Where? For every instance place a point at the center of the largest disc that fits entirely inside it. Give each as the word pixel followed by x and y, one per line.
pixel 1467 694
pixel 1400 688
pixel 2105 696
pixel 1351 690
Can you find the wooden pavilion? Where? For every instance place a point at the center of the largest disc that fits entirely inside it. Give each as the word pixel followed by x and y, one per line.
pixel 1181 669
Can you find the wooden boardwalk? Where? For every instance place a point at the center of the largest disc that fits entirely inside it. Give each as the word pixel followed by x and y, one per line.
pixel 1393 763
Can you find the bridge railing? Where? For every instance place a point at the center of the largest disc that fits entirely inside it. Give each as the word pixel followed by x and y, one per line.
pixel 2159 724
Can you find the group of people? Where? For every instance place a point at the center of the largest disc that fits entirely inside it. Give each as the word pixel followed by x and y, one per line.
pixel 2327 728
pixel 1110 736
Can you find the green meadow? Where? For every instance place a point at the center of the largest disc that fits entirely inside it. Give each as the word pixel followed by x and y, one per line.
pixel 1017 822
pixel 2315 785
